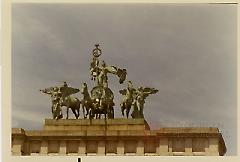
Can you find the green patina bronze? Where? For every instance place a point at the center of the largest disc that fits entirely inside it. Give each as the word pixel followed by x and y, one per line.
pixel 61 96
pixel 100 99
pixel 135 98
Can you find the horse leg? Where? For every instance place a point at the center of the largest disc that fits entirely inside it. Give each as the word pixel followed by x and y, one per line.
pixel 53 113
pixel 123 108
pixel 84 115
pixel 112 113
pixel 91 114
pixel 78 109
pixel 78 112
pixel 87 109
pixel 127 111
pixel 67 113
pixel 74 112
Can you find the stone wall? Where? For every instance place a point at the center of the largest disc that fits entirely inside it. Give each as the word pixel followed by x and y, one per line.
pixel 115 137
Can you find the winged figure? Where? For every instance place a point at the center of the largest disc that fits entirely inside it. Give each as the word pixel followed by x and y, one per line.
pixel 139 100
pixel 61 96
pixel 135 98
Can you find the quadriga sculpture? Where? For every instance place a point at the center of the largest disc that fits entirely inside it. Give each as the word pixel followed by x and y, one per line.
pixel 100 100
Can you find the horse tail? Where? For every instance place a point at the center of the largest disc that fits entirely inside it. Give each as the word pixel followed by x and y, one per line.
pixel 83 107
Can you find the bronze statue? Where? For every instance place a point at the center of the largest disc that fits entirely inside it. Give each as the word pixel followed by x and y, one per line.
pixel 86 101
pixel 127 100
pixel 139 100
pixel 61 96
pixel 70 101
pixel 98 103
pixel 56 95
pixel 135 98
pixel 101 71
pixel 95 62
pixel 100 99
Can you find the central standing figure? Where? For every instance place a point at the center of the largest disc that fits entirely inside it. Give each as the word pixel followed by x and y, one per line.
pixel 101 95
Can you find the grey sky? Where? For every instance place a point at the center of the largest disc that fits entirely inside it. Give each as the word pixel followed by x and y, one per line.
pixel 188 52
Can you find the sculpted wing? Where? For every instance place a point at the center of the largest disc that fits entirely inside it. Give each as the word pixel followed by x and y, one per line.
pixel 67 91
pixel 147 91
pixel 121 73
pixel 150 90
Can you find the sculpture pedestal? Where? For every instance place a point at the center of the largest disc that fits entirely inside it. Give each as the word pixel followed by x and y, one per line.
pixel 115 137
pixel 96 124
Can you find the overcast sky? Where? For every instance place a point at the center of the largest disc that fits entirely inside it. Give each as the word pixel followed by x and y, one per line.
pixel 188 52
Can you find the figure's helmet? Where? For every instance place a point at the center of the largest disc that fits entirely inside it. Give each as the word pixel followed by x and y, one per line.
pixel 83 87
pixel 130 83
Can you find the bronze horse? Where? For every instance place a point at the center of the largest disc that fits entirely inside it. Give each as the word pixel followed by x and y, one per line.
pixel 64 99
pixel 96 105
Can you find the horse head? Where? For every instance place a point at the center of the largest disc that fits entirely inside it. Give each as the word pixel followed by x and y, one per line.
pixel 84 89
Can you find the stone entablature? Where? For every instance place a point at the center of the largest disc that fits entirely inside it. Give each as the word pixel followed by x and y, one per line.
pixel 115 137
